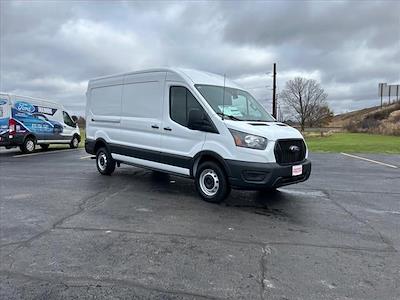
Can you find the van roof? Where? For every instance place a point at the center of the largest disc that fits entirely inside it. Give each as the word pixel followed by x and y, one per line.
pixel 35 99
pixel 192 75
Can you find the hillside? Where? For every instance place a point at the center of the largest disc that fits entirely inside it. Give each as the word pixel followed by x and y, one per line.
pixel 379 120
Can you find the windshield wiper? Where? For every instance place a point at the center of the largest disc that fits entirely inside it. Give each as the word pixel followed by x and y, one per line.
pixel 260 120
pixel 228 116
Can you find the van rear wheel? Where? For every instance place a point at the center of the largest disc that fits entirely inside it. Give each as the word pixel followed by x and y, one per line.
pixel 29 145
pixel 211 182
pixel 104 162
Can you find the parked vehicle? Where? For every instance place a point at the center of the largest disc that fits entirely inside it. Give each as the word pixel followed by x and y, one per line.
pixel 27 122
pixel 194 124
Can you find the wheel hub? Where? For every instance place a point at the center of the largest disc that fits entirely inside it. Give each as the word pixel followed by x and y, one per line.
pixel 29 145
pixel 102 161
pixel 209 182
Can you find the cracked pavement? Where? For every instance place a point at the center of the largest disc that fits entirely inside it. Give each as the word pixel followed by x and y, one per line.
pixel 67 232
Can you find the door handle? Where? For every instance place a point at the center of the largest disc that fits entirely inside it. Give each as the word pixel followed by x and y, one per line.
pixel 155 126
pixel 167 128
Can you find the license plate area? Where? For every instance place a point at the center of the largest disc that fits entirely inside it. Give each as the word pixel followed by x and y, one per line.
pixel 297 170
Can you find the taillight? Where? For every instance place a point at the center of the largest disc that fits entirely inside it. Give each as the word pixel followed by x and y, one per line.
pixel 11 126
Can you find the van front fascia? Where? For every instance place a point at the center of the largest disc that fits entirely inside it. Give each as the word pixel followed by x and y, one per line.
pixel 254 175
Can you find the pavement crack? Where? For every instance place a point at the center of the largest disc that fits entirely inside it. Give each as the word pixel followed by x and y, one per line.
pixel 347 191
pixel 262 270
pixel 384 240
pixel 81 207
pixel 103 281
pixel 240 242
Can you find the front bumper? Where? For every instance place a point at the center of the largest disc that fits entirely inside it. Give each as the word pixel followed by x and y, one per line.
pixel 253 176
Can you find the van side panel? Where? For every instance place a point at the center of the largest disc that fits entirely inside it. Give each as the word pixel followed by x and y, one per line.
pixel 141 113
pixel 103 109
pixel 106 101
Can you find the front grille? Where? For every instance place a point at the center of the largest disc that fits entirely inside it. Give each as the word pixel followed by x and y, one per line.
pixel 285 155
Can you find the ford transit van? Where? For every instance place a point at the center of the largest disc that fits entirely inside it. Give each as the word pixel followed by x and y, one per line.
pixel 27 122
pixel 194 124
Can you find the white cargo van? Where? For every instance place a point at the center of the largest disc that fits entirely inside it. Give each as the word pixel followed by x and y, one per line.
pixel 27 122
pixel 195 124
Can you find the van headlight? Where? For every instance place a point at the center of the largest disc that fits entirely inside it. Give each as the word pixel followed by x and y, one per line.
pixel 246 140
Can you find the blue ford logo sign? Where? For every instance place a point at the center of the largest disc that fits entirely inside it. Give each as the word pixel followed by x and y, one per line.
pixel 24 106
pixel 3 101
pixel 294 148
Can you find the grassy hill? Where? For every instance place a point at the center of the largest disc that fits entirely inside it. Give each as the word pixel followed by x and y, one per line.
pixel 385 120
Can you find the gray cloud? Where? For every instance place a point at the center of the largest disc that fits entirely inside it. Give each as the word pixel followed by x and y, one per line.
pixel 50 49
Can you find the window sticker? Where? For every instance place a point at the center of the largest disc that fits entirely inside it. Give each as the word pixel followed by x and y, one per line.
pixel 230 110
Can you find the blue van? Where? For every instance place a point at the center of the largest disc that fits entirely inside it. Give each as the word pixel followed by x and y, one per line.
pixel 26 122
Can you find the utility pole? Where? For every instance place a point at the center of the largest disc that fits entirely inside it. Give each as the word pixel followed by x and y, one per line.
pixel 274 92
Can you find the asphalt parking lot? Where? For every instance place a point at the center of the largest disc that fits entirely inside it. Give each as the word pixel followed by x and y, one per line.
pixel 68 232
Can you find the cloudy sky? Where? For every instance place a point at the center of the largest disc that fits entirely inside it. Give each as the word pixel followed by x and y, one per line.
pixel 50 49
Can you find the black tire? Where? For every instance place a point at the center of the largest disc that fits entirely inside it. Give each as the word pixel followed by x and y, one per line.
pixel 211 182
pixel 44 146
pixel 104 162
pixel 29 145
pixel 74 142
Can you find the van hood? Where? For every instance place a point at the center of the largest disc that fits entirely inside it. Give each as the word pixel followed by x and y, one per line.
pixel 271 130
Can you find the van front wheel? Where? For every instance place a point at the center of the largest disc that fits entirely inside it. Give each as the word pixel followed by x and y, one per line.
pixel 211 182
pixel 74 142
pixel 104 162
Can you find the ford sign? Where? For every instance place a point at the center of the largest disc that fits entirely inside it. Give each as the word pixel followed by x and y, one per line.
pixel 294 148
pixel 24 107
pixel 3 101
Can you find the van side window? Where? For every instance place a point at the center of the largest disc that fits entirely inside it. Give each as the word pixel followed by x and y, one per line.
pixel 181 103
pixel 68 120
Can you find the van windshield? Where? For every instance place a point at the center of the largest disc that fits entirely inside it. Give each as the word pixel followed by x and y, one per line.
pixel 237 104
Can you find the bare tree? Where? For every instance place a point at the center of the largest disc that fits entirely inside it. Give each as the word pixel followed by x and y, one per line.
pixel 306 98
pixel 321 116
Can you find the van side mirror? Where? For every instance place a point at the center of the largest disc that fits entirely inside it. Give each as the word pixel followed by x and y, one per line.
pixel 199 121
pixel 74 118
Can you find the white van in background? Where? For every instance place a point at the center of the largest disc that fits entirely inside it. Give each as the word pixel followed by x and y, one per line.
pixel 27 122
pixel 194 124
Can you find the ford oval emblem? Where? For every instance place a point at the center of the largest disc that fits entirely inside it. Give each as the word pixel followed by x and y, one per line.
pixel 24 107
pixel 294 148
pixel 3 101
